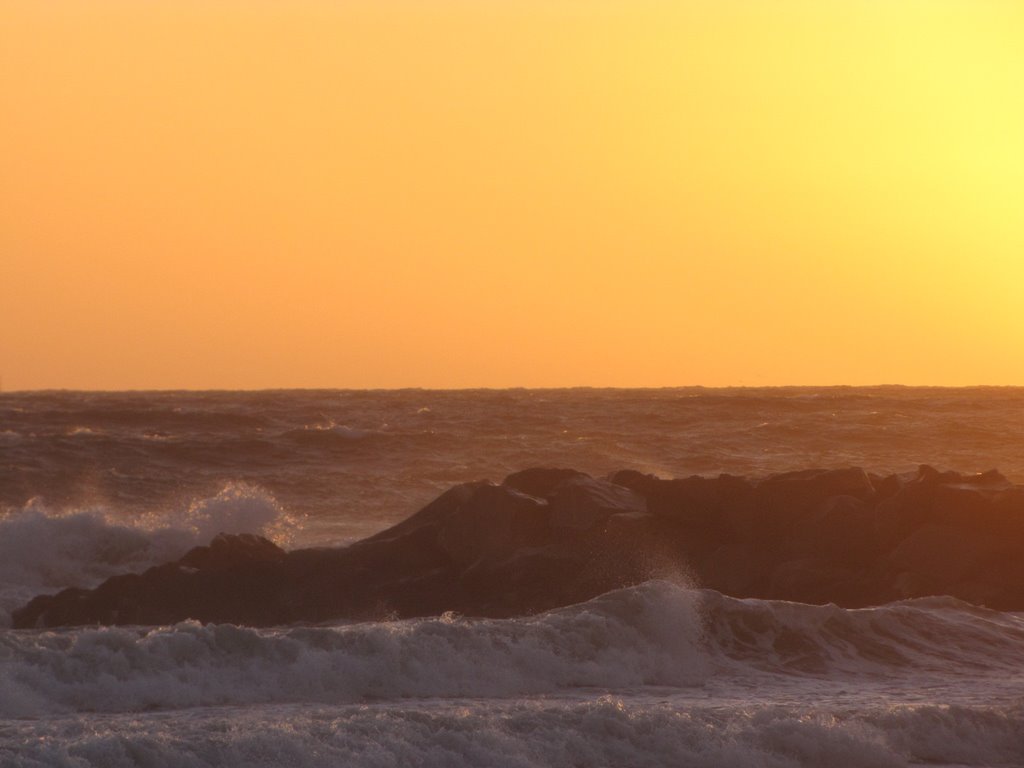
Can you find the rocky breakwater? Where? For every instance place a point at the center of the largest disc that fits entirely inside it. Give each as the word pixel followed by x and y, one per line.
pixel 550 537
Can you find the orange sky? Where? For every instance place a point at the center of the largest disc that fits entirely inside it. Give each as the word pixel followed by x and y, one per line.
pixel 442 193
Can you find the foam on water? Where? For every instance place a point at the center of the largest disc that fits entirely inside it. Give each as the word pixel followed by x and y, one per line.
pixel 45 550
pixel 646 635
pixel 604 731
pixel 940 635
pixel 655 675
pixel 656 634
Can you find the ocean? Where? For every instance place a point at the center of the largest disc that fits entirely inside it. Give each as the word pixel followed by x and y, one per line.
pixel 661 673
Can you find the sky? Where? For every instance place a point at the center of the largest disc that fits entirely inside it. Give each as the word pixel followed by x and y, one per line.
pixel 490 193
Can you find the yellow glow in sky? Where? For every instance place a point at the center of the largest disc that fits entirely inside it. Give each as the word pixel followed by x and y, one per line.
pixel 452 193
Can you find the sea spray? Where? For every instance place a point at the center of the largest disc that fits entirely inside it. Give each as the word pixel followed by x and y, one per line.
pixel 655 634
pixel 651 676
pixel 44 549
pixel 647 635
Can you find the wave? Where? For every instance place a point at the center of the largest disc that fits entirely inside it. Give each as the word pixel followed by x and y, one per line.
pixel 330 434
pixel 627 638
pixel 656 634
pixel 939 635
pixel 44 549
pixel 608 730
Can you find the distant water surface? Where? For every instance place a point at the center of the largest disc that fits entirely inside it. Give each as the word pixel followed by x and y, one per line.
pixel 352 462
pixel 96 484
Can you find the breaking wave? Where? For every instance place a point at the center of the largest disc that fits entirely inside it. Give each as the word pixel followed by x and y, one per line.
pixel 655 634
pixel 44 549
pixel 601 732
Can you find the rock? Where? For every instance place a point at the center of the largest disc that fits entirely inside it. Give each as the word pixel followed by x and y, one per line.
pixel 908 508
pixel 541 482
pixel 781 502
pixel 581 503
pixel 636 481
pixel 492 522
pixel 969 502
pixel 734 569
pixel 629 526
pixel 998 585
pixel 229 550
pixel 696 514
pixel 531 579
pixel 435 513
pixel 840 530
pixel 943 553
pixel 810 580
pixel 808 487
pixel 692 500
pixel 885 486
pixel 907 585
pixel 549 537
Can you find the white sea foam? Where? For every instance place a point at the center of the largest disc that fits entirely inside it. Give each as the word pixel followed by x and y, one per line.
pixel 939 635
pixel 653 675
pixel 331 429
pixel 628 638
pixel 45 550
pixel 656 634
pixel 603 731
pixel 240 508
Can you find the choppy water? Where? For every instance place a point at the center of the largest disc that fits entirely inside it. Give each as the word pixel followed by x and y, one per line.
pixel 659 674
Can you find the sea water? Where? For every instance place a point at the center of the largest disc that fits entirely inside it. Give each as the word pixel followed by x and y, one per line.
pixel 662 673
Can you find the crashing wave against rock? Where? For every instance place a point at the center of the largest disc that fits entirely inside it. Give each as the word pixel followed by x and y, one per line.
pixel 551 537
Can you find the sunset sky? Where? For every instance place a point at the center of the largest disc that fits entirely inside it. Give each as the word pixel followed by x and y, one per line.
pixel 442 193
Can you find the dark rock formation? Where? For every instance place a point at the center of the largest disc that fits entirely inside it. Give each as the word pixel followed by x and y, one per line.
pixel 550 537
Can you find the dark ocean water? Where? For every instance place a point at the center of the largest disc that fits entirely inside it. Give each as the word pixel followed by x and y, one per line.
pixel 93 484
pixel 352 462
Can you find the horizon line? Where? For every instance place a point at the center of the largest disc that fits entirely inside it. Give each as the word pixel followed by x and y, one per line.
pixel 592 387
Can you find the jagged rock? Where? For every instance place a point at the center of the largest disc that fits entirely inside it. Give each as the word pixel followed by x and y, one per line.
pixel 492 522
pixel 999 584
pixel 841 529
pixel 808 487
pixel 970 501
pixel 229 550
pixel 810 580
pixel 539 481
pixel 910 507
pixel 204 585
pixel 782 502
pixel 549 537
pixel 695 501
pixel 629 526
pixel 580 503
pixel 943 552
pixel 734 569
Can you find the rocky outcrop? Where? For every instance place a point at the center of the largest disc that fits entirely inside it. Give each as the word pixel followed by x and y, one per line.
pixel 550 537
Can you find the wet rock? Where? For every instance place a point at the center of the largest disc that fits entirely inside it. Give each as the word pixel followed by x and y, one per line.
pixel 735 570
pixel 492 522
pixel 629 526
pixel 944 553
pixel 808 487
pixel 540 481
pixel 910 507
pixel 841 530
pixel 582 503
pixel 549 537
pixel 810 580
pixel 228 550
pixel 691 501
pixel 782 502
